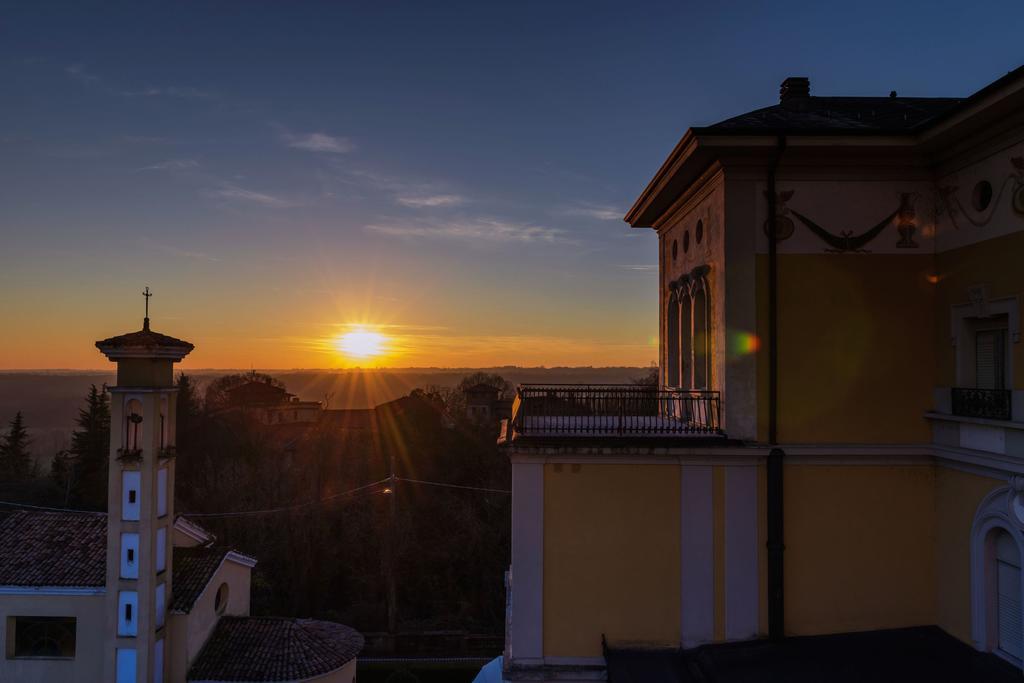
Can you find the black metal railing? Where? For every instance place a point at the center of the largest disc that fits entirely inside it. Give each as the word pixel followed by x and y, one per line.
pixel 992 404
pixel 614 410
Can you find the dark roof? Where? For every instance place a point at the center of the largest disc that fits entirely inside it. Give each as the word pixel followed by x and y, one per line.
pixel 193 569
pixel 66 549
pixel 272 649
pixel 254 393
pixel 909 655
pixel 362 419
pixel 839 115
pixel 143 339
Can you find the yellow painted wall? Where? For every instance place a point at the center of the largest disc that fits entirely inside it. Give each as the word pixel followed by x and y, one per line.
pixel 87 664
pixel 860 547
pixel 611 556
pixel 856 351
pixel 957 496
pixel 995 263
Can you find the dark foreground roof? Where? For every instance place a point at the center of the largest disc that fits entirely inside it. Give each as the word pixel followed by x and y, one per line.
pixel 193 569
pixel 913 655
pixel 271 649
pixel 66 549
pixel 840 115
pixel 143 339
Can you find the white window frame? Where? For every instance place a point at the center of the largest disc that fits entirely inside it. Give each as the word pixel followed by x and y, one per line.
pixel 131 480
pixel 129 567
pixel 127 627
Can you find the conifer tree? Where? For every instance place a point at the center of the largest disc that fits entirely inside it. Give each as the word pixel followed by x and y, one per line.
pixel 15 460
pixel 90 450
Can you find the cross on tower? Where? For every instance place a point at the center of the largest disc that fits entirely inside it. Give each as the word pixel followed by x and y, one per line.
pixel 146 293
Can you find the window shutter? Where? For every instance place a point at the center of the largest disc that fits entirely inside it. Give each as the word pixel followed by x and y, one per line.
pixel 990 359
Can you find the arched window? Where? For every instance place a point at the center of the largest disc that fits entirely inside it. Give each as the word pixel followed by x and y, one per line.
pixel 220 600
pixel 686 342
pixel 133 425
pixel 672 343
pixel 701 338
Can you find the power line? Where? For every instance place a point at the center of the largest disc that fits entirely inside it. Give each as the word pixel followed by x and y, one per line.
pixel 50 509
pixel 453 486
pixel 284 508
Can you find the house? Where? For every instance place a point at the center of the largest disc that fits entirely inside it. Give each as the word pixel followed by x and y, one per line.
pixel 271 404
pixel 832 461
pixel 130 596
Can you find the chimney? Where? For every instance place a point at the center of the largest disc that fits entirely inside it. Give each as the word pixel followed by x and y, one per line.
pixel 794 86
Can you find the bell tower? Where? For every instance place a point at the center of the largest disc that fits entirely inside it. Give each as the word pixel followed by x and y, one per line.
pixel 140 502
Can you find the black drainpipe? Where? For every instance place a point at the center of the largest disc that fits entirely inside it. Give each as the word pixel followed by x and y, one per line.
pixel 776 545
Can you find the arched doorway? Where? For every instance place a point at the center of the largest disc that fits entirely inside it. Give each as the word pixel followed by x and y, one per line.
pixel 997 584
pixel 1005 596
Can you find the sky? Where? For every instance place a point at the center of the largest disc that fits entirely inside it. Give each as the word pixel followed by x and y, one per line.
pixel 451 176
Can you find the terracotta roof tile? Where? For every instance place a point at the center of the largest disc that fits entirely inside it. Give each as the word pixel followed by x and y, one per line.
pixel 272 649
pixel 66 549
pixel 193 569
pixel 143 339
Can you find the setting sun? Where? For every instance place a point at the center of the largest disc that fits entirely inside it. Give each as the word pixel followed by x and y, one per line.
pixel 361 343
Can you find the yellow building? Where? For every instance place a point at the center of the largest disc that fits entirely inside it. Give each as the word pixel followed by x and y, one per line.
pixel 837 442
pixel 135 595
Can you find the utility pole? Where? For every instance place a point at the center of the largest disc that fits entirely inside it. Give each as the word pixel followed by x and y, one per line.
pixel 392 550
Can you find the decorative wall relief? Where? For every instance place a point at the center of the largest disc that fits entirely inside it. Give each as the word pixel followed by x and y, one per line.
pixel 951 201
pixel 906 220
pixel 846 241
pixel 1018 192
pixel 783 223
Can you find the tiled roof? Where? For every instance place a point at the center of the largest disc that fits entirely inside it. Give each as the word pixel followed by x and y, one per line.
pixel 193 569
pixel 272 649
pixel 67 549
pixel 143 339
pixel 840 115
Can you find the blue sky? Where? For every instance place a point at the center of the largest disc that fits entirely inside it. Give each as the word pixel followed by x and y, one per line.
pixel 452 173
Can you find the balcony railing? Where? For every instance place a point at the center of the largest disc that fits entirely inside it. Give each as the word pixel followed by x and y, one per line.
pixel 613 410
pixel 991 404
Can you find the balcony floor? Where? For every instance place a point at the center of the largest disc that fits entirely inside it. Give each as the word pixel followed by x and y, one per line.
pixel 911 655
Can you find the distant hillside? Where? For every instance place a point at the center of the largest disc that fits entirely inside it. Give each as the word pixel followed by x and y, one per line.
pixel 50 400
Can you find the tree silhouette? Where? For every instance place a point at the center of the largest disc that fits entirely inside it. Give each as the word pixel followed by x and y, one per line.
pixel 15 460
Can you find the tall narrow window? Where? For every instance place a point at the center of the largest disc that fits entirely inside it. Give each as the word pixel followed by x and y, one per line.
pixel 131 481
pixel 129 555
pixel 701 356
pixel 127 613
pixel 126 661
pixel 1010 634
pixel 686 343
pixel 672 374
pixel 990 359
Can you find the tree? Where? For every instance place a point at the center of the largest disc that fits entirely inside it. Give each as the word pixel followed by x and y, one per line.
pixel 15 459
pixel 648 379
pixel 489 378
pixel 87 460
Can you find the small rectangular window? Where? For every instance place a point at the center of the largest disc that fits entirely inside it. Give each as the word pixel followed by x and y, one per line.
pixel 41 637
pixel 127 624
pixel 131 496
pixel 129 555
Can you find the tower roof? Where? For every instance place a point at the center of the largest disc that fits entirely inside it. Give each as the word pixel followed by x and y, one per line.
pixel 144 344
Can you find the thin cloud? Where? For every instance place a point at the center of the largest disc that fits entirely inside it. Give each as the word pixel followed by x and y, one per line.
pixel 169 91
pixel 81 74
pixel 642 267
pixel 490 230
pixel 319 142
pixel 241 194
pixel 601 212
pixel 172 165
pixel 431 201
